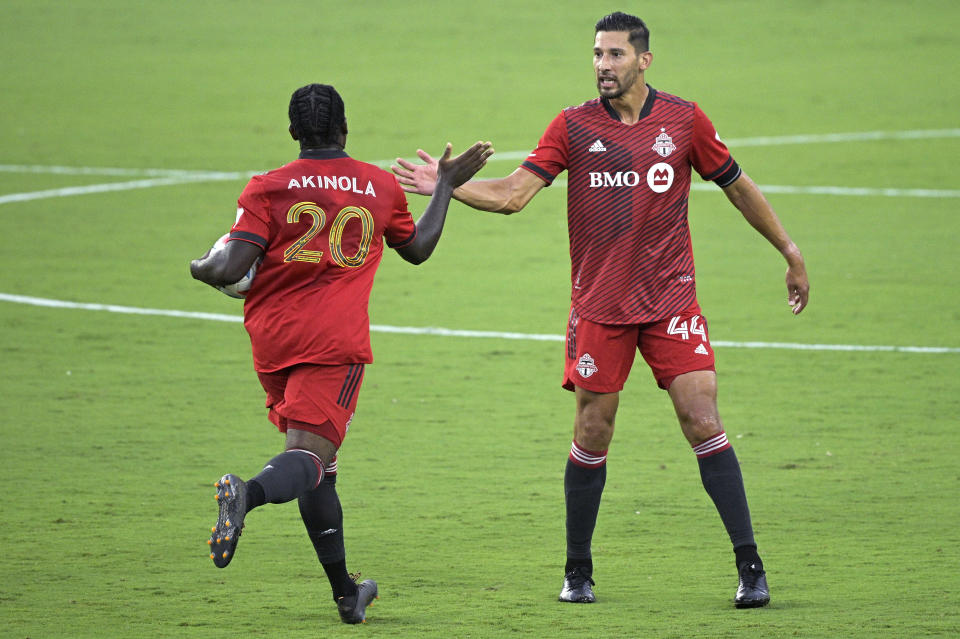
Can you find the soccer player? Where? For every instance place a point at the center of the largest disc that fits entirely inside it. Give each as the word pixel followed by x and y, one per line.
pixel 318 224
pixel 629 155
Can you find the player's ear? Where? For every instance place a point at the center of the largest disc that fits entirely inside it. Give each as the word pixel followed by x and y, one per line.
pixel 293 134
pixel 646 59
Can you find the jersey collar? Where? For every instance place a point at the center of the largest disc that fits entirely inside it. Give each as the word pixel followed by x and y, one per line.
pixel 322 154
pixel 644 111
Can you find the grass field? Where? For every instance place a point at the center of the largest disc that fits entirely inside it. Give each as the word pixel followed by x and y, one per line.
pixel 114 425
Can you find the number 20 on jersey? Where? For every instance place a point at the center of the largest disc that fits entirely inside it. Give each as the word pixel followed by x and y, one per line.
pixel 296 251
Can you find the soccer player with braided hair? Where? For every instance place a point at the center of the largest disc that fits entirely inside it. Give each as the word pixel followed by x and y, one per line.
pixel 319 225
pixel 629 155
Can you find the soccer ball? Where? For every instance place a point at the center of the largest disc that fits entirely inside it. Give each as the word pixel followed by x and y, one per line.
pixel 239 288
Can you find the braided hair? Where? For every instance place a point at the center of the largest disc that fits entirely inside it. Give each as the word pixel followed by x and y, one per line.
pixel 316 115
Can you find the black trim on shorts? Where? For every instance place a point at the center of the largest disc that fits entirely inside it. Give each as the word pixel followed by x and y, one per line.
pixel 350 385
pixel 572 334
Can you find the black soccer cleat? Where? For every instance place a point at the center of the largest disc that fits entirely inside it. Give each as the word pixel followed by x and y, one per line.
pixel 577 587
pixel 753 591
pixel 232 500
pixel 353 609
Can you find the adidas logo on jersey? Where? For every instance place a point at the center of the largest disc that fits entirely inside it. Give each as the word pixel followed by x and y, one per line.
pixel 700 350
pixel 597 147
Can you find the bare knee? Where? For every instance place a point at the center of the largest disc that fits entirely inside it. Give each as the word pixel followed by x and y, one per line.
pixel 699 427
pixel 596 412
pixel 593 434
pixel 319 446
pixel 694 398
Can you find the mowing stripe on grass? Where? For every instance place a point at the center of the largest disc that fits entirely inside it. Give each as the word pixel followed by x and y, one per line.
pixel 167 177
pixel 450 332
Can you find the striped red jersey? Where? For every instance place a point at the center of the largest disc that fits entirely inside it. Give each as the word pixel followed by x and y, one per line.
pixel 628 186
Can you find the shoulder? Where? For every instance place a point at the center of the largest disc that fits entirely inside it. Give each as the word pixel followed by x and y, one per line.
pixel 258 183
pixel 668 99
pixel 265 179
pixel 589 106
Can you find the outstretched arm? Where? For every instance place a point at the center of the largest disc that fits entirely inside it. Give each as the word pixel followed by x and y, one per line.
pixel 451 173
pixel 747 197
pixel 503 195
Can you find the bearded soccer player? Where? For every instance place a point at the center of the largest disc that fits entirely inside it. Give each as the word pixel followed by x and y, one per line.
pixel 629 155
pixel 319 225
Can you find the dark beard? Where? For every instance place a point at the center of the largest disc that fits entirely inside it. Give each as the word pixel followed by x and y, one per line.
pixel 619 91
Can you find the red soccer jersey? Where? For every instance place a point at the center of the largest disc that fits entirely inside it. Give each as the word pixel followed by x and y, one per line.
pixel 628 185
pixel 321 221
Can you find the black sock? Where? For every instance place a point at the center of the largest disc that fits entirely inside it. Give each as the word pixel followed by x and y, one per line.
pixel 747 555
pixel 255 496
pixel 322 516
pixel 720 474
pixel 583 488
pixel 586 565
pixel 287 476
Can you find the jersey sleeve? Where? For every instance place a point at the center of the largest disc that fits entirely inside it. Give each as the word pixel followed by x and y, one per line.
pixel 709 155
pixel 253 216
pixel 401 229
pixel 551 156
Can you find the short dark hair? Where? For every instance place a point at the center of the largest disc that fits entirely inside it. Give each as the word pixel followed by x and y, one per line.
pixel 620 21
pixel 316 115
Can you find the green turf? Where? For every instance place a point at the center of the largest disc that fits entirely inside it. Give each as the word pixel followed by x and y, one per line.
pixel 114 426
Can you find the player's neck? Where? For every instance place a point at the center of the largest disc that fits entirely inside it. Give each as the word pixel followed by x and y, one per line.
pixel 321 148
pixel 630 104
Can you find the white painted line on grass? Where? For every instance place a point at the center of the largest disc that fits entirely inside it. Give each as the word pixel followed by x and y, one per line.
pixel 856 191
pixel 449 332
pixel 118 172
pixel 862 136
pixel 105 188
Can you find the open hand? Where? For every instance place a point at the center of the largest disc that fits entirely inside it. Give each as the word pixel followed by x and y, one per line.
pixel 456 171
pixel 422 178
pixel 417 178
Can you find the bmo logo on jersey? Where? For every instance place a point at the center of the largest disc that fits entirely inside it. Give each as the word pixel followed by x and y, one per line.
pixel 659 178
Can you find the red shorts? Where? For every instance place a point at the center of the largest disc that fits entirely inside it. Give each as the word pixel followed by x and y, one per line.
pixel 599 356
pixel 320 399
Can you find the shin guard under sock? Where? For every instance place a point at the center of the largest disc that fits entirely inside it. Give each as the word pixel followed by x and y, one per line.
pixel 322 516
pixel 583 482
pixel 289 475
pixel 720 474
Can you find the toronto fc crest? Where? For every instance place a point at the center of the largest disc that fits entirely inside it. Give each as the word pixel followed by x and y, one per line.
pixel 664 145
pixel 585 366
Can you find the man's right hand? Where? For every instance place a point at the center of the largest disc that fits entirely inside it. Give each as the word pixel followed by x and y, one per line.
pixel 456 171
pixel 417 178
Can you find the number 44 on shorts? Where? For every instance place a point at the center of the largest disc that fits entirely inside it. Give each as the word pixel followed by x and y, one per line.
pixel 676 327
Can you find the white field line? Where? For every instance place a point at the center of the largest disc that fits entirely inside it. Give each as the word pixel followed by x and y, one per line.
pixel 118 172
pixel 107 187
pixel 448 332
pixel 166 177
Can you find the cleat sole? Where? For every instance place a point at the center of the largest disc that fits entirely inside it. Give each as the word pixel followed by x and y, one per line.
pixel 232 511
